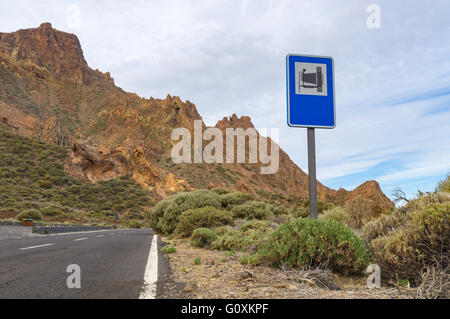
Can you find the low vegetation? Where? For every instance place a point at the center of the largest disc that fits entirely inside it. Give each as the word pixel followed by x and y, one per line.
pixel 30 214
pixel 444 185
pixel 336 213
pixel 33 184
pixel 202 217
pixel 253 210
pixel 203 237
pixel 413 239
pixel 410 243
pixel 310 242
pixel 165 216
pixel 248 236
pixel 168 250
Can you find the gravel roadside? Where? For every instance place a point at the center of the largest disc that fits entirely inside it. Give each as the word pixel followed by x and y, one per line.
pixel 202 273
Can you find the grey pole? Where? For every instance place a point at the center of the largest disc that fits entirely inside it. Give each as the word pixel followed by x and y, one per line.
pixel 312 172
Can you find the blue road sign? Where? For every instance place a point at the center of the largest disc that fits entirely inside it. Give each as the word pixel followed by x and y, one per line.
pixel 310 91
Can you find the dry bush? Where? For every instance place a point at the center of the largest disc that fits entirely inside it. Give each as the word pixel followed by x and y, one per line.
pixel 423 201
pixel 360 210
pixel 444 185
pixel 435 283
pixel 381 226
pixel 337 213
pixel 320 277
pixel 408 244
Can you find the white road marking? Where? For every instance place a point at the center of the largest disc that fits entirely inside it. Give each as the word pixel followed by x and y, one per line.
pixel 36 246
pixel 78 232
pixel 151 272
pixel 80 239
pixel 100 236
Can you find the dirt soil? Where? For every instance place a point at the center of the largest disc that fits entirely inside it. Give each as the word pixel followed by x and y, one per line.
pixel 220 276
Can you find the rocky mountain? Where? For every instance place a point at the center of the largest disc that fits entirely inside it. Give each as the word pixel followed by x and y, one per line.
pixel 48 91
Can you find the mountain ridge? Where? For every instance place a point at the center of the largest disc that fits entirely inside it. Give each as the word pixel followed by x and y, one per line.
pixel 49 92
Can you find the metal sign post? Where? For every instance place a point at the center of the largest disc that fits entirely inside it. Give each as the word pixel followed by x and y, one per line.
pixel 312 173
pixel 310 104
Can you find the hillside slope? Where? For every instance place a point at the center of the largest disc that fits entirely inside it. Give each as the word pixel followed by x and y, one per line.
pixel 47 91
pixel 32 178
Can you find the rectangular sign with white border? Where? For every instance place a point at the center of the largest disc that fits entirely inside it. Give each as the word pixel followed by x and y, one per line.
pixel 310 91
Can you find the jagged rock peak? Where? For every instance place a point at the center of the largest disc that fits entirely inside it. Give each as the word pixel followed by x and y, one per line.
pixel 46 25
pixel 235 122
pixel 57 51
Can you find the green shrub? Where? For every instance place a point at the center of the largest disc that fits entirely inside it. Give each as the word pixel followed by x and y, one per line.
pixel 299 212
pixel 232 199
pixel 202 217
pixel 232 240
pixel 202 237
pixel 222 230
pixel 30 214
pixel 310 242
pixel 381 226
pixel 197 261
pixel 280 210
pixel 165 215
pixel 301 208
pixel 133 224
pixel 220 191
pixel 250 235
pixel 261 226
pixel 419 240
pixel 253 210
pixel 251 260
pixel 337 213
pixel 45 184
pixel 52 211
pixel 168 250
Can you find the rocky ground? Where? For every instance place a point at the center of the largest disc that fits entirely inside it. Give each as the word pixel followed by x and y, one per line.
pixel 219 275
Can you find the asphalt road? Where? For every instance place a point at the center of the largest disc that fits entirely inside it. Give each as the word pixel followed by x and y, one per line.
pixel 112 264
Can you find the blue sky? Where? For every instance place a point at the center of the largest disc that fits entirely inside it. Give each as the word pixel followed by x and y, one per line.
pixel 392 82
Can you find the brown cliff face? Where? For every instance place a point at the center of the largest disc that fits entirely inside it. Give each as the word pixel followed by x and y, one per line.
pixel 58 52
pixel 48 91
